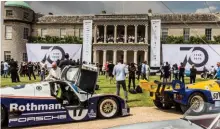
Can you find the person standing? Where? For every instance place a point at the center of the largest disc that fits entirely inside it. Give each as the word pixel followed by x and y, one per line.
pixel 119 73
pixel 106 70
pixel 181 72
pixel 43 68
pixel 193 72
pixel 145 70
pixel 166 72
pixel 175 71
pixel 65 62
pixel 17 76
pixel 139 71
pixel 217 75
pixel 31 70
pixel 5 68
pixel 110 70
pixel 13 70
pixel 2 68
pixel 132 70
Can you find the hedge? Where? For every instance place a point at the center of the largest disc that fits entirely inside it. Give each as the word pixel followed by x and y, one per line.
pixel 55 39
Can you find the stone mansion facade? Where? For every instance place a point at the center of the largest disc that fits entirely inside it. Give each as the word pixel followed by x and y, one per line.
pixel 115 36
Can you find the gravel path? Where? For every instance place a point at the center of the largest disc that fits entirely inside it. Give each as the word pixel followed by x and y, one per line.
pixel 138 114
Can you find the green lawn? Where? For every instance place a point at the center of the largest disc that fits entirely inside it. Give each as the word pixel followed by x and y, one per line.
pixel 135 100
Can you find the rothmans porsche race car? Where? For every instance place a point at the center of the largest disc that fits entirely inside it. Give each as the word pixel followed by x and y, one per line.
pixel 38 103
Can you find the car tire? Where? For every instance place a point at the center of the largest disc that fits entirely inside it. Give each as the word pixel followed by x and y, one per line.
pixel 160 105
pixel 3 115
pixel 199 100
pixel 108 108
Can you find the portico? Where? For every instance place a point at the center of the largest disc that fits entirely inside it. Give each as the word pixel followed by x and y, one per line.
pixel 114 52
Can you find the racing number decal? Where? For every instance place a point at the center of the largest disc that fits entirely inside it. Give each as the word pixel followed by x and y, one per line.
pixel 78 114
pixel 216 95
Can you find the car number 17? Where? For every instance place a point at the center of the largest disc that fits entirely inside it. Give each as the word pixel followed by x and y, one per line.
pixel 216 95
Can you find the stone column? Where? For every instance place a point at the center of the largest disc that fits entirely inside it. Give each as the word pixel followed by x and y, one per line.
pixel 135 56
pixel 95 34
pixel 146 34
pixel 115 33
pixel 115 57
pixel 94 56
pixel 125 34
pixel 145 55
pixel 104 57
pixel 136 27
pixel 125 56
pixel 105 32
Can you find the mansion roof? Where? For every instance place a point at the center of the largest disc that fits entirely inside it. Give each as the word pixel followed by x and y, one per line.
pixel 165 18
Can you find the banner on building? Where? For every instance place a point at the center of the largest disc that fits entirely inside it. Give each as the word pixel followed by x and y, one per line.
pixel 52 52
pixel 199 55
pixel 87 41
pixel 155 43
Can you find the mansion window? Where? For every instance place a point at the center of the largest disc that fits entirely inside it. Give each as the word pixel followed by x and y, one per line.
pixel 164 34
pixel 8 32
pixel 43 32
pixel 7 55
pixel 26 31
pixel 26 15
pixel 25 59
pixel 9 13
pixel 208 33
pixel 62 32
pixel 186 34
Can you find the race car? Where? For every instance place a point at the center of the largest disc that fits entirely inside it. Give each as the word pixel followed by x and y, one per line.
pixel 70 99
pixel 176 93
pixel 197 94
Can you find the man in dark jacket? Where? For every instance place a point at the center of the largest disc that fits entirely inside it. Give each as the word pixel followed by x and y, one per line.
pixel 132 69
pixel 65 62
pixel 31 70
pixel 193 74
pixel 181 72
pixel 13 70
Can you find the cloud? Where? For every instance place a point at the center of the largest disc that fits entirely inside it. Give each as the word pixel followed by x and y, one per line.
pixel 206 10
pixel 95 7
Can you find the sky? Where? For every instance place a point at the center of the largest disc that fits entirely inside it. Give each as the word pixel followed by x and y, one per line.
pixel 127 7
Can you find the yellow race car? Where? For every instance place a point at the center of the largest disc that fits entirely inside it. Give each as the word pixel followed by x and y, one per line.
pixel 176 93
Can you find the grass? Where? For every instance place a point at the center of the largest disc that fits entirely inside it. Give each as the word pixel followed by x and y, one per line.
pixel 135 100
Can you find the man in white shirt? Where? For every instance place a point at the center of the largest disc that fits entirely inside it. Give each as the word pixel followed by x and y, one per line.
pixel 145 70
pixel 6 67
pixel 55 73
pixel 119 72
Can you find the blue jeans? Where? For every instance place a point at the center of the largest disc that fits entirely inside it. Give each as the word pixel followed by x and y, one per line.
pixel 5 73
pixel 42 75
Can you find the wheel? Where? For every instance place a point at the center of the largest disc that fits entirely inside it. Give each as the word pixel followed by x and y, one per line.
pixel 108 108
pixel 160 105
pixel 3 115
pixel 196 103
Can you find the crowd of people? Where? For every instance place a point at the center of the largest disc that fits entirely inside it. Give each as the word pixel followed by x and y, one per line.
pixel 133 71
pixel 120 38
pixel 33 69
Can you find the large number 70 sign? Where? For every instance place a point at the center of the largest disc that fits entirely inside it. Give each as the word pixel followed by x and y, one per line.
pixel 50 49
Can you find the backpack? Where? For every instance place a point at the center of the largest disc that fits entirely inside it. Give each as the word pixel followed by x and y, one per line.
pixel 139 89
pixel 132 91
